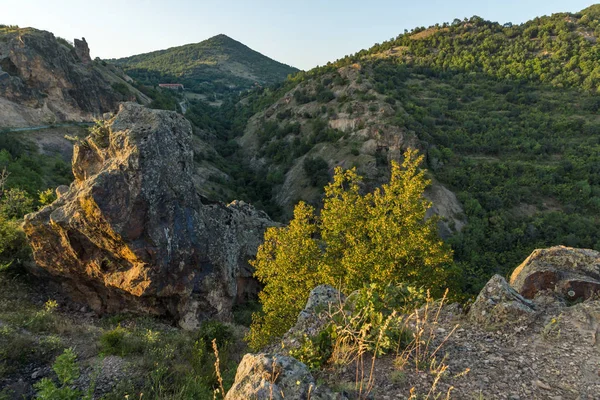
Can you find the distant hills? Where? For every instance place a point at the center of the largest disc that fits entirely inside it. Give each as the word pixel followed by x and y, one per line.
pixel 219 64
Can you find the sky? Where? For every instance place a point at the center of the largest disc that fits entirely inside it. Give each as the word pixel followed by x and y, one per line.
pixel 302 33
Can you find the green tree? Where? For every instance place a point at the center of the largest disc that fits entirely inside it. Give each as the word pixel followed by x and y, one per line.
pixel 287 262
pixel 15 203
pixel 381 238
pixel 13 244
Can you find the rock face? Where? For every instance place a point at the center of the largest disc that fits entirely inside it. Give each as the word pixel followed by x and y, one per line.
pixel 131 233
pixel 265 376
pixel 571 273
pixel 44 80
pixel 312 319
pixel 499 304
pixel 82 50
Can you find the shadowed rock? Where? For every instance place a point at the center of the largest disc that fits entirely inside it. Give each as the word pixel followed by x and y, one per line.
pixel 572 273
pixel 132 234
pixel 82 50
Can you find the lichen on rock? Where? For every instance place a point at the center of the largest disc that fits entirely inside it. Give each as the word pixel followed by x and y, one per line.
pixel 571 273
pixel 498 304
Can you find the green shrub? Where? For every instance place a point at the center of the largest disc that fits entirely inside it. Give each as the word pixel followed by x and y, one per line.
pixel 43 320
pixel 369 321
pixel 210 330
pixel 15 203
pixel 121 88
pixel 67 371
pixel 14 248
pixel 380 238
pixel 375 312
pixel 242 314
pixel 317 171
pixel 16 350
pixel 315 351
pixel 325 96
pixel 119 341
pixel 100 133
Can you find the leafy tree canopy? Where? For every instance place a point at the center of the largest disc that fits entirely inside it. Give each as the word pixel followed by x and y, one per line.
pixel 381 237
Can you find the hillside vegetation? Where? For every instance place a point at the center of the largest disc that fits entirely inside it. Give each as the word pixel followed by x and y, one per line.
pixel 507 116
pixel 217 65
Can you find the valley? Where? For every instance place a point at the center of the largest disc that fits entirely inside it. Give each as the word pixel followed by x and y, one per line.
pixel 419 219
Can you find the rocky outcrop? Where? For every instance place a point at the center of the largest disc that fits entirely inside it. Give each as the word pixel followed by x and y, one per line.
pixel 313 318
pixel 82 50
pixel 266 376
pixel 498 304
pixel 44 80
pixel 571 273
pixel 131 233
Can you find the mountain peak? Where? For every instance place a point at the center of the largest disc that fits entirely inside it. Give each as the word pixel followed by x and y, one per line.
pixel 217 64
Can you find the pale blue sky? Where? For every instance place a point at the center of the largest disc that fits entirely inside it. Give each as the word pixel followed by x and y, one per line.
pixel 303 33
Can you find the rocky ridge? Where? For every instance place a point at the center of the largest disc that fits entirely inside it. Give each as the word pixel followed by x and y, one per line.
pixel 45 80
pixel 132 234
pixel 503 347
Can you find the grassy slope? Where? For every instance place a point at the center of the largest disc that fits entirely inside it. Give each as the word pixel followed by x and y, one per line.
pixel 121 355
pixel 211 65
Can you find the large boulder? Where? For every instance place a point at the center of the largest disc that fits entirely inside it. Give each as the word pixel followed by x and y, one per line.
pixel 572 273
pixel 277 377
pixel 132 234
pixel 499 305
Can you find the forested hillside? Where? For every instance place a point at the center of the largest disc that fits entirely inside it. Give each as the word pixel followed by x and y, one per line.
pixel 507 115
pixel 217 65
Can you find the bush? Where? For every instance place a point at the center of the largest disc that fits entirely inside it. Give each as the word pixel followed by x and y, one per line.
pixel 315 351
pixel 210 330
pixel 120 342
pixel 121 88
pixel 15 203
pixel 67 371
pixel 367 310
pixel 316 170
pixel 380 237
pixel 325 96
pixel 369 321
pixel 14 248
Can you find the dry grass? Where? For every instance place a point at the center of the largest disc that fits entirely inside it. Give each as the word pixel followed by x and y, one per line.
pixel 423 354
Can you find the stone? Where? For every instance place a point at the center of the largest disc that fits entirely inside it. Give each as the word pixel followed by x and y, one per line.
pixel 313 318
pixel 61 190
pixel 499 304
pixel 132 234
pixel 572 273
pixel 585 319
pixel 278 377
pixel 542 385
pixel 82 50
